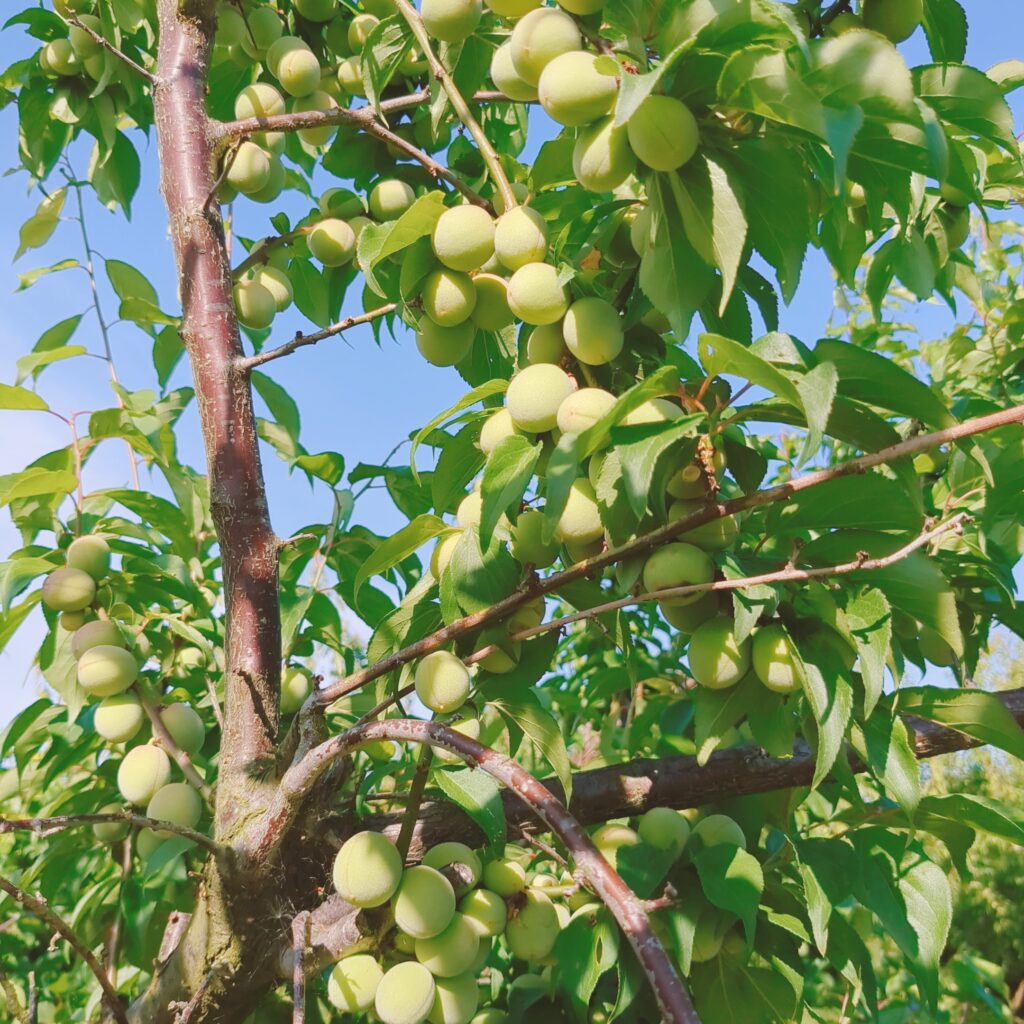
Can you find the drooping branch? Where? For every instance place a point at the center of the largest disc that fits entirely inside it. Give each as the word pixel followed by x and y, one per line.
pixel 535 587
pixel 590 866
pixel 39 908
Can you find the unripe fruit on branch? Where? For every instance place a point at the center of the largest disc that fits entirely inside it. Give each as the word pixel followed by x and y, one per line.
pixel 581 7
pixel 249 170
pixel 340 202
pixel 359 29
pixel 442 682
pixel 71 622
pixel 444 854
pixel 298 71
pixel 656 410
pixel 450 952
pixel 610 838
pixel 491 312
pixel 677 565
pixel 390 198
pixel 259 100
pixel 296 686
pixel 664 829
pixel 110 831
pixel 463 237
pixel 254 305
pixel 275 182
pixel 545 345
pixel 485 911
pixel 528 545
pixel 843 23
pixel 141 773
pixel 520 237
pixel 455 1000
pixel 717 659
pixel 573 90
pixel 277 283
pixel 663 133
pixel 230 25
pixel 448 297
pixel 282 46
pixel 531 933
pixel 353 983
pixel 895 19
pixel 717 829
pixel 99 632
pixel 536 295
pixel 425 903
pixel 506 78
pixel 316 10
pixel 332 242
pixel 583 408
pixel 467 727
pixel 147 842
pixel 512 8
pixel 593 331
pixel 444 346
pixel 350 77
pixel 504 877
pixel 118 718
pixel 177 803
pixel 60 58
pixel 442 554
pixel 184 726
pixel 580 522
pixel 81 41
pixel 91 554
pixel 496 428
pixel 68 590
pixel 708 936
pixel 538 38
pixel 956 222
pixel 451 21
pixel 715 535
pixel 601 157
pixel 470 510
pixel 367 869
pixel 687 618
pixel 105 670
pixel 318 100
pixel 776 659
pixel 405 994
pixel 534 395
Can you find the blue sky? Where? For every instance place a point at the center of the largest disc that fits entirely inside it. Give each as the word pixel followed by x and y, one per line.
pixel 355 397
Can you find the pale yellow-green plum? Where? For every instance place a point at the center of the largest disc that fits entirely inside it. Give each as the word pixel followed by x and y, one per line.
pixel 91 554
pixel 448 297
pixel 491 312
pixel 110 831
pixel 350 78
pixel 260 99
pixel 298 71
pixel 340 202
pixel 118 718
pixel 956 222
pixel 574 91
pixel 686 618
pixel 536 295
pixel 677 565
pixel 935 649
pixel 610 838
pixel 185 726
pixel 601 157
pixel 580 521
pixel 442 553
pixel 177 803
pixel 512 8
pixel 717 829
pixel 316 10
pixel 286 44
pixel 452 951
pixel 71 622
pixel 506 79
pixel 445 854
pixel 444 346
pixel 520 192
pixel 230 26
pixel 529 615
pixel 715 535
pixel 496 428
pixel 405 995
pixel 82 42
pixel 534 395
pixel 336 37
pixel 254 305
pixel 655 410
pixel 455 1000
pixel 520 237
pixel 530 934
pixel 664 829
pixel 581 7
pixel 353 982
pixel 105 670
pixel 276 282
pixel 58 57
pixel 99 632
pixel 504 877
pixel 467 727
pixel 451 21
pixel 584 408
pixel 68 590
pixel 717 659
pixel 442 682
pixel 332 242
pixel 319 100
pixel 546 344
pixel 141 773
pixel 845 22
pixel 147 842
pixel 528 544
pixel 640 230
pixel 390 198
pixel 592 329
pixel 296 686
pixel 367 869
pixel 485 910
pixel 359 29
pixel 895 19
pixel 708 936
pixel 463 237
pixel 276 181
pixel 404 943
pixel 425 903
pixel 776 659
pixel 663 133
pixel 539 37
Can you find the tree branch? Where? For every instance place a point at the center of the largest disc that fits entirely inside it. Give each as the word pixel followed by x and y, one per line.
pixel 73 19
pixel 13 999
pixel 416 791
pixel 261 250
pixel 300 945
pixel 535 587
pixel 249 363
pixel 38 907
pixel 591 868
pixel 184 762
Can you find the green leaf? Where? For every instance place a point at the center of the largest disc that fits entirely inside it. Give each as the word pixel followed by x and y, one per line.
pixel 478 795
pixel 929 902
pixel 29 278
pixel 869 616
pixel 39 228
pixel 731 879
pixel 721 356
pixel 945 25
pixel 763 81
pixel 817 393
pixel 977 713
pixel 979 812
pixel 716 712
pixel 888 751
pixel 129 283
pixel 830 697
pixel 282 406
pixel 868 500
pixel 398 547
pixel 639 459
pixel 507 474
pixel 584 951
pixel 32 364
pixel 21 398
pixel 310 291
pixel 12 618
pixel 417 222
pixel 726 991
pixel 481 576
pixel 967 100
pixel 386 46
pixel 35 481
pixel 115 173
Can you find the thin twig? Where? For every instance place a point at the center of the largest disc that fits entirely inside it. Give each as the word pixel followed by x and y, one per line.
pixel 215 703
pixel 300 944
pixel 416 791
pixel 73 19
pixel 41 909
pixel 164 738
pixel 301 340
pixel 260 252
pixel 12 998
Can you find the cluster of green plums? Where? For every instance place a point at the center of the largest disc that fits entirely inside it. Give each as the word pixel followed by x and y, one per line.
pixel 108 671
pixel 78 53
pixel 897 20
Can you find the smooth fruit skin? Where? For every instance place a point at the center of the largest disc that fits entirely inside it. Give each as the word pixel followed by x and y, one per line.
pixel 448 297
pixel 657 410
pixel 687 618
pixel 664 829
pixel 298 71
pixel 580 521
pixel 367 869
pixel 677 565
pixel 94 634
pixel 277 283
pixel 405 995
pixel 715 535
pixel 538 38
pixel 455 1000
pixel 318 100
pixel 504 877
pixel 485 910
pixel 581 7
pixel 592 330
pixel 663 133
pixel 717 829
pixel 442 554
pixel 254 305
pixel 534 396
pixel 491 312
pixel 425 903
pixel 390 198
pixel 442 682
pixel 512 8
pixel 536 296
pixel 68 590
pixel 717 660
pixel 177 803
pixel 332 242
pixel 531 933
pixel 520 237
pixel 506 78
pixel 609 839
pixel 185 727
pixel 467 727
pixel 353 983
pixel 463 237
pixel 359 29
pixel 895 19
pixel 91 554
pixel 601 157
pixel 573 91
pixel 118 718
pixel 286 44
pixel 451 952
pixel 111 831
pixel 451 21
pixel 105 670
pixel 583 408
pixel 296 686
pixel 528 545
pixel 141 773
pixel 259 100
pixel 316 10
pixel 444 346
pixel 545 345
pixel 776 660
pixel 496 428
pixel 445 854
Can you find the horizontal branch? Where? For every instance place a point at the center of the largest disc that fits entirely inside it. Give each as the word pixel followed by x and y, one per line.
pixel 302 340
pixel 536 587
pixel 38 907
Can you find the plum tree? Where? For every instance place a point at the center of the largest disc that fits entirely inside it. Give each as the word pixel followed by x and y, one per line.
pixel 538 38
pixel 142 771
pixel 317 10
pixel 593 331
pixel 405 995
pixel 463 237
pixel 118 718
pixel 442 682
pixel 298 71
pixel 573 89
pixel 425 902
pixel 332 242
pixel 776 659
pixel 664 829
pixel 895 19
pixel 520 237
pixel 105 670
pixel 715 535
pixel 610 838
pixel 353 982
pixel 276 282
pixel 583 408
pixel 512 8
pixel 536 295
pixel 534 396
pixel 91 554
pixel 443 552
pixel 545 344
pixel 254 304
pixel 601 157
pixel 185 726
pixel 367 869
pixel 677 565
pixel 444 346
pixel 451 21
pixel 717 659
pixel 935 648
pixel 467 727
pixel 359 29
pixel 68 590
pixel 451 952
pixel 111 831
pixel 448 297
pixel 663 133
pixel 177 803
pixel 532 927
